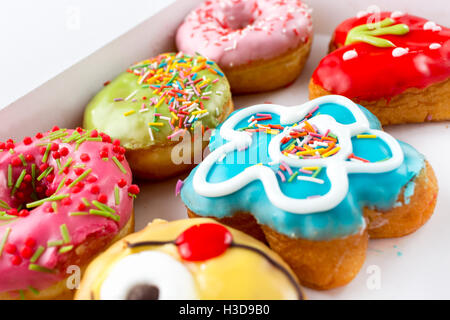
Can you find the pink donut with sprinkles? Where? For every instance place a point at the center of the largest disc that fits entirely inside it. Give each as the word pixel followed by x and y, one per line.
pixel 250 38
pixel 64 197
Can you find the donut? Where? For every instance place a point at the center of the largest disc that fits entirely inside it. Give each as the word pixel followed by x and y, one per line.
pixel 261 45
pixel 188 259
pixel 398 67
pixel 157 104
pixel 65 195
pixel 314 181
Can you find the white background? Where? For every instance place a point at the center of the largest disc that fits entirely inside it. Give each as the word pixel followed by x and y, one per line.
pixel 36 44
pixel 41 38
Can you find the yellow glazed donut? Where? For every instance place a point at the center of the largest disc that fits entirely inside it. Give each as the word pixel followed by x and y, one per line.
pixel 159 103
pixel 260 44
pixel 188 259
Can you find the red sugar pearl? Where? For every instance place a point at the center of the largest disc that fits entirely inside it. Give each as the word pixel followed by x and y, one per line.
pixel 122 183
pixel 12 212
pixel 120 157
pixel 95 189
pixel 50 178
pixel 9 145
pixel 10 248
pixel 26 252
pixel 27 178
pixel 66 201
pixel 116 142
pixel 133 189
pixel 116 149
pixel 85 157
pixel 122 150
pixel 30 242
pixel 103 198
pixel 20 195
pixel 48 192
pixel 42 150
pixel 27 140
pixel 39 135
pixel 64 151
pixel 43 166
pixel 29 157
pixel 79 171
pixel 24 213
pixel 55 128
pixel 15 162
pixel 94 134
pixel 66 170
pixel 79 129
pixel 106 138
pixel 91 179
pixel 16 260
pixel 104 154
pixel 76 189
pixel 2 145
pixel 68 181
pixel 56 155
pixel 39 189
pixel 81 206
pixel 54 147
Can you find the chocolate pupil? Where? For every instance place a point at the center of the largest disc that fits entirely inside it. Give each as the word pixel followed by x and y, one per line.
pixel 143 292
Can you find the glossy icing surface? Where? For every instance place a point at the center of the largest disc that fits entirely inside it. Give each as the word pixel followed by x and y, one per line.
pixel 158 99
pixel 236 273
pixel 237 32
pixel 367 168
pixel 419 58
pixel 86 195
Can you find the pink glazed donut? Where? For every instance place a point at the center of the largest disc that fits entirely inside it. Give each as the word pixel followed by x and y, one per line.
pixel 260 44
pixel 64 197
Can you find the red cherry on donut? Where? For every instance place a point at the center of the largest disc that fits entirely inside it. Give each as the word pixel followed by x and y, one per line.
pixel 10 248
pixel 203 241
pixel 26 252
pixel 27 140
pixel 16 260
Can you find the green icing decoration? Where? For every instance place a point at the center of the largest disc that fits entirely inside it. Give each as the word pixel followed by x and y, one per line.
pixel 369 33
pixel 115 109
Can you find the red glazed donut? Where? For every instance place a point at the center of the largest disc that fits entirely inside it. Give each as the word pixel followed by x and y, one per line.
pixel 64 197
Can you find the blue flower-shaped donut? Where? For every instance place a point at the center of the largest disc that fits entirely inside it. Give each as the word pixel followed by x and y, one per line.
pixel 305 171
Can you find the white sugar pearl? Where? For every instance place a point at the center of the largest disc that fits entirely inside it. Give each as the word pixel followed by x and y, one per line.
pixel 398 52
pixel 434 46
pixel 397 14
pixel 431 25
pixel 351 54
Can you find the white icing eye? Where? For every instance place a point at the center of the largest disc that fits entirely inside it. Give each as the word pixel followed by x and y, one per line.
pixel 148 275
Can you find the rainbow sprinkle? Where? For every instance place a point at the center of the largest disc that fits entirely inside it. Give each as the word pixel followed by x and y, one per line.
pixel 176 91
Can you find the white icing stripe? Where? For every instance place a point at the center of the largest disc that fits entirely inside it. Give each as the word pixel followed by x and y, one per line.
pixel 337 166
